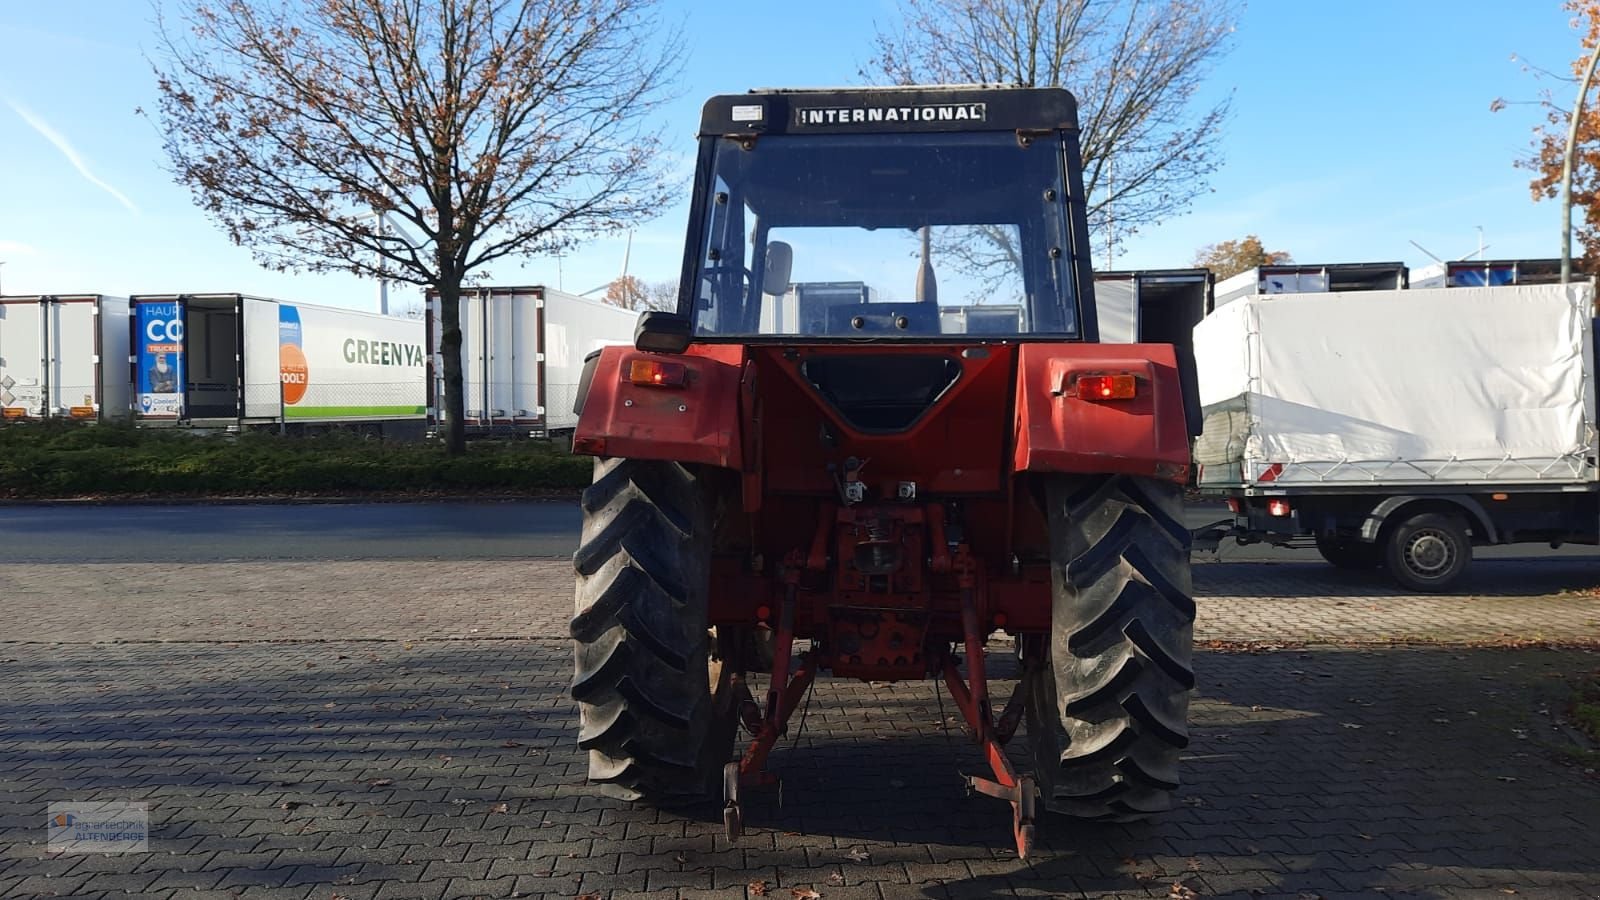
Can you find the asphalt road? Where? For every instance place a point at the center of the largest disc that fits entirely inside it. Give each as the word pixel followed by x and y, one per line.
pixel 205 532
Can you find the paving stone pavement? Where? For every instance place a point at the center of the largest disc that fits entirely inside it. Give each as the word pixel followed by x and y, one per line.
pixel 376 746
pixel 1550 599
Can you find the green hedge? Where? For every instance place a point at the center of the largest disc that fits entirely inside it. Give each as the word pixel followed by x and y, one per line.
pixel 40 460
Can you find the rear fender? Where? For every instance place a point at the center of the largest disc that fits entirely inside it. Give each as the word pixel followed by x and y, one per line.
pixel 1057 432
pixel 695 423
pixel 1478 518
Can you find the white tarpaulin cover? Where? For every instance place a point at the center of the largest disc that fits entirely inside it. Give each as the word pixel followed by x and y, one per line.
pixel 1466 385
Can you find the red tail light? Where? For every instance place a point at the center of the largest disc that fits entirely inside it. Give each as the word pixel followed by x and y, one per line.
pixel 1107 387
pixel 655 373
pixel 1279 508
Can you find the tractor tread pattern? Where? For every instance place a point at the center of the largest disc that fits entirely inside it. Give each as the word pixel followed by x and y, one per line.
pixel 639 630
pixel 1108 702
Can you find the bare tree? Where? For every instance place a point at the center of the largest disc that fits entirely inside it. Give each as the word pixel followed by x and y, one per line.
pixel 489 128
pixel 661 295
pixel 1135 66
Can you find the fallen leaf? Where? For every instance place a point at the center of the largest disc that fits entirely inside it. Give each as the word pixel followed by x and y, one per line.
pixel 500 808
pixel 859 854
pixel 380 782
pixel 836 879
pixel 757 888
pixel 804 894
pixel 1181 892
pixel 509 744
pixel 291 804
pixel 590 897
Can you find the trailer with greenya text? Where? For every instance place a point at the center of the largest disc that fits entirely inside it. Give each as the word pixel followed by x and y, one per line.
pixel 61 356
pixel 234 360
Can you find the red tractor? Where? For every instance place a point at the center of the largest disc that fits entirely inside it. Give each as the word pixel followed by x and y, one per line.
pixel 831 458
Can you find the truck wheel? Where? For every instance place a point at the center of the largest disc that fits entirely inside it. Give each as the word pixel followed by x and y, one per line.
pixel 1428 551
pixel 1108 691
pixel 647 684
pixel 1349 553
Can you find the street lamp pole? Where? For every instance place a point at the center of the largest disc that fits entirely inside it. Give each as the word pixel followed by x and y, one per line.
pixel 1567 164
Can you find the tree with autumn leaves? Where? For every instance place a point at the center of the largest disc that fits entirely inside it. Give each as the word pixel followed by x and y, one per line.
pixel 1227 258
pixel 631 292
pixel 1550 138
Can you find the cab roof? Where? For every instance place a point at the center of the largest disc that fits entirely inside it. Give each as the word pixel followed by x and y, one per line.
pixel 890 110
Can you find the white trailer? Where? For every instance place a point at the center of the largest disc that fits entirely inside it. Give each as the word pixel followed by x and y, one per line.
pixel 1151 306
pixel 1489 273
pixel 62 356
pixel 522 353
pixel 1400 428
pixel 233 360
pixel 1291 278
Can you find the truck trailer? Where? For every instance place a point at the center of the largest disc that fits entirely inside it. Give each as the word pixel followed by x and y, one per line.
pixel 522 352
pixel 231 360
pixel 1292 278
pixel 61 356
pixel 1488 273
pixel 1152 306
pixel 1399 429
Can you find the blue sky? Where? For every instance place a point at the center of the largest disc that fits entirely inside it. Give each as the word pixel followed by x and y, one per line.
pixel 1357 127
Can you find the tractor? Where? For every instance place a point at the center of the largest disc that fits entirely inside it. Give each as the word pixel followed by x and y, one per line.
pixel 878 429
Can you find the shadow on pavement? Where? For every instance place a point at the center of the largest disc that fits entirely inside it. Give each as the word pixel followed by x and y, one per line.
pixel 1485 578
pixel 323 766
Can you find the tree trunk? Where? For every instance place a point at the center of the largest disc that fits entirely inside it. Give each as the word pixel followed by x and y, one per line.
pixel 455 441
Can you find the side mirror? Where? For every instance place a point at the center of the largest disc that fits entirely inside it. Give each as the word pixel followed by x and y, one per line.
pixel 780 263
pixel 662 332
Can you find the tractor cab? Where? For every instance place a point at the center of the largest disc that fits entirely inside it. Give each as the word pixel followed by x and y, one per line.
pixel 922 214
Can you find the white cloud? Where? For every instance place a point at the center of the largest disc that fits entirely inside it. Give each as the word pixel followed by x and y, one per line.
pixel 67 150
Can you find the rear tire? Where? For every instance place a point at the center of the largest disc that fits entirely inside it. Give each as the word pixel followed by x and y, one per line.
pixel 1108 701
pixel 646 683
pixel 1349 553
pixel 1428 551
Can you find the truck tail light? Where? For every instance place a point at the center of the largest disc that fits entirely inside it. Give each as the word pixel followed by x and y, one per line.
pixel 1278 507
pixel 655 373
pixel 1107 387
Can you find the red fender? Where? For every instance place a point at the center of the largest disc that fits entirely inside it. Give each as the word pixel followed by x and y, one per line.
pixel 697 422
pixel 1058 432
